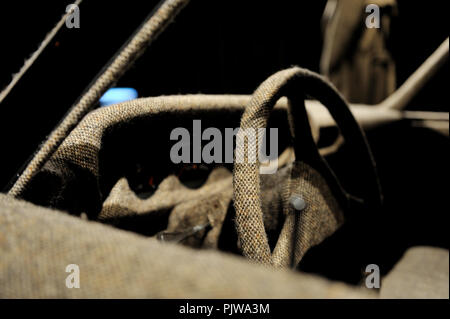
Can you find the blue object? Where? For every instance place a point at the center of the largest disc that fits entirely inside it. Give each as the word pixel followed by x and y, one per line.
pixel 117 95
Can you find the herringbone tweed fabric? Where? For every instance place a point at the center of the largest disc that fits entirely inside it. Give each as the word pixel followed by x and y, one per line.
pixel 36 245
pixel 147 33
pixel 323 214
pixel 89 173
pixel 98 168
pixel 106 144
pixel 422 273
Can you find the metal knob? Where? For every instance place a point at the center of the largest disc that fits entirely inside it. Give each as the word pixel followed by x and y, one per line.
pixel 297 202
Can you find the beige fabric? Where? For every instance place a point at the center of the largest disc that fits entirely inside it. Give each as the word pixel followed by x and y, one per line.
pixel 206 206
pixel 187 208
pixel 307 228
pixel 92 172
pixel 36 245
pixel 301 230
pixel 416 81
pixel 147 33
pixel 356 58
pixel 421 273
pixel 77 160
pixel 71 179
pixel 170 192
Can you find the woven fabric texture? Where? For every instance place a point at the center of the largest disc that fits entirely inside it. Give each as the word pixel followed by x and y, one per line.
pixel 75 178
pixel 98 172
pixel 356 58
pixel 90 173
pixel 422 273
pixel 323 214
pixel 78 159
pixel 146 34
pixel 36 245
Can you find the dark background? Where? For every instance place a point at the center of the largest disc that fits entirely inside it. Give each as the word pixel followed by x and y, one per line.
pixel 228 46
